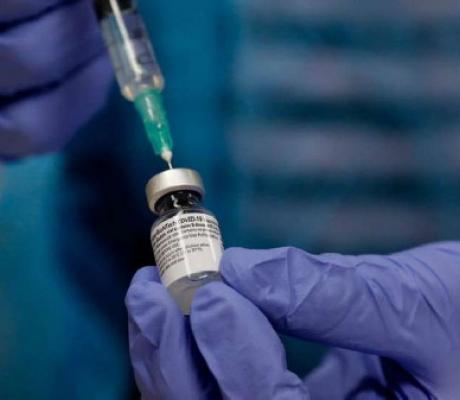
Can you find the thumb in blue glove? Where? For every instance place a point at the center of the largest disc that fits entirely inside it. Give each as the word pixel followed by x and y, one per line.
pixel 399 315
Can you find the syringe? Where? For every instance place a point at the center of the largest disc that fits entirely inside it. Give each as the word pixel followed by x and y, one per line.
pixel 136 68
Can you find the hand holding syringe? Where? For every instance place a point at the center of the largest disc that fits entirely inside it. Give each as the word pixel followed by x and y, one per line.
pixel 136 69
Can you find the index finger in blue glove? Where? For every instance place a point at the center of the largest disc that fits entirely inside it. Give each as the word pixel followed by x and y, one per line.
pixel 394 306
pixel 241 348
pixel 164 357
pixel 47 49
pixel 12 10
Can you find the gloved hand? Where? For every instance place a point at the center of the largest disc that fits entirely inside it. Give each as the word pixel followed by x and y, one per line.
pixel 394 322
pixel 53 73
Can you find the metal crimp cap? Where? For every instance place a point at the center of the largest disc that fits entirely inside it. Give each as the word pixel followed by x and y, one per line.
pixel 173 180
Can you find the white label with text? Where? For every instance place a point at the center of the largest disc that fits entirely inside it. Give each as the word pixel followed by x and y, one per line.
pixel 187 244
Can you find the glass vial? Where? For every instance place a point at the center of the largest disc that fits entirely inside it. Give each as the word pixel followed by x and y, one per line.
pixel 186 238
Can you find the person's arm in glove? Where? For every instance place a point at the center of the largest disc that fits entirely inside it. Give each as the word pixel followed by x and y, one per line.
pixel 394 322
pixel 53 73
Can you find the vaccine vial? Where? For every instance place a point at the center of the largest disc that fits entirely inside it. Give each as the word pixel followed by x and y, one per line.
pixel 186 238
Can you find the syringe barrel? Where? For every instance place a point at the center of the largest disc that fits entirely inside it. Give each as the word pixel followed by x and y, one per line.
pixel 131 51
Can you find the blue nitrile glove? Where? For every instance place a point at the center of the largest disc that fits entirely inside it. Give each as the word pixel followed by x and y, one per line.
pixel 398 317
pixel 53 73
pixel 239 345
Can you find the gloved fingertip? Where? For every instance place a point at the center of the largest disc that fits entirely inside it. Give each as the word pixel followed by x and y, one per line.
pixel 217 312
pixel 144 290
pixel 209 296
pixel 217 307
pixel 235 264
pixel 151 308
pixel 245 270
pixel 149 274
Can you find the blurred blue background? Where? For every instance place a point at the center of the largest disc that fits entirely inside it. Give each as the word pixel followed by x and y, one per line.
pixel 332 126
pixel 46 330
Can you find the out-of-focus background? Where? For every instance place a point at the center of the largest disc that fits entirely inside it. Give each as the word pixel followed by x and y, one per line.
pixel 331 125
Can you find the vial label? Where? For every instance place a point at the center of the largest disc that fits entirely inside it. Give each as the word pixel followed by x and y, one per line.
pixel 187 244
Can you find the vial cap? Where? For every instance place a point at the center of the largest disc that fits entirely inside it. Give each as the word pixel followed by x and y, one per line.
pixel 173 180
